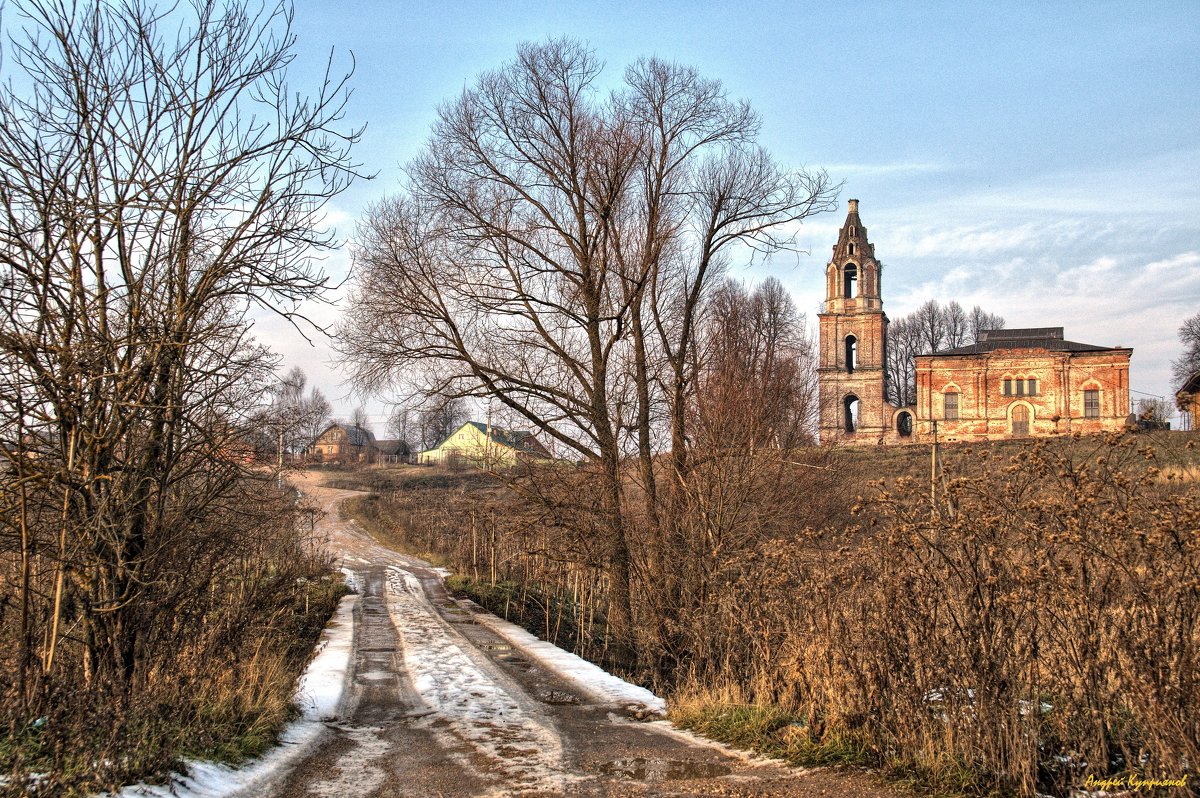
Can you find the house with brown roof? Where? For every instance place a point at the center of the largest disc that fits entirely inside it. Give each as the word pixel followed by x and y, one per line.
pixel 344 443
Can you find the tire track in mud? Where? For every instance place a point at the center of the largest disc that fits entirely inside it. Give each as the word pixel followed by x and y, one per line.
pixel 518 743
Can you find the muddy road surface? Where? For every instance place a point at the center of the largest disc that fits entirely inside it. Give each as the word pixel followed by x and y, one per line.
pixel 441 704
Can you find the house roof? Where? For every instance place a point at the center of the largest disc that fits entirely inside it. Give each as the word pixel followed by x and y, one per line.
pixel 355 436
pixel 1190 387
pixel 1049 338
pixel 392 446
pixel 513 439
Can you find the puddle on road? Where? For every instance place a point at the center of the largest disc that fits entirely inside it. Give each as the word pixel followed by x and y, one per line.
pixel 558 697
pixel 643 769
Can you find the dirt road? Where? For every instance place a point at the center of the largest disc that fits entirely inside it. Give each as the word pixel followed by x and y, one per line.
pixel 443 705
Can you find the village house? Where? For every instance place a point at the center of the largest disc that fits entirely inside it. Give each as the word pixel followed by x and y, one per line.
pixel 483 446
pixel 1010 383
pixel 344 443
pixel 1187 400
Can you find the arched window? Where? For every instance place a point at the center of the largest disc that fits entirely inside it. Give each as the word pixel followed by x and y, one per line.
pixel 904 424
pixel 850 408
pixel 851 353
pixel 850 281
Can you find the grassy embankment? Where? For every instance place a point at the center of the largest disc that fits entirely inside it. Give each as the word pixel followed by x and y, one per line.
pixel 1036 625
pixel 220 687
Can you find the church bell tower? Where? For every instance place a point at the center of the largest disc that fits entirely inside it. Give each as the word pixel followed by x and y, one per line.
pixel 853 341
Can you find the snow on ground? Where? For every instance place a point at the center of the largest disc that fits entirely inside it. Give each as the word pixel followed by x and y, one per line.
pixel 319 696
pixel 601 685
pixel 525 750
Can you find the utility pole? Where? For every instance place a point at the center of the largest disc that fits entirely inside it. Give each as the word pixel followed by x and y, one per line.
pixel 933 472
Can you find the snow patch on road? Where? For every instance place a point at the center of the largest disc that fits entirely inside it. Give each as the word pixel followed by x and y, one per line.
pixel 356 772
pixel 598 683
pixel 468 703
pixel 319 696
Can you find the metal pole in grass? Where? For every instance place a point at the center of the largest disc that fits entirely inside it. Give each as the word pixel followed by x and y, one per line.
pixel 933 468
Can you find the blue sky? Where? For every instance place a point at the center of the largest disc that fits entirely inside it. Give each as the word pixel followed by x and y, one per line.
pixel 1043 162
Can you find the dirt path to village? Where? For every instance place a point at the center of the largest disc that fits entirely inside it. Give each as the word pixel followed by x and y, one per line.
pixel 442 705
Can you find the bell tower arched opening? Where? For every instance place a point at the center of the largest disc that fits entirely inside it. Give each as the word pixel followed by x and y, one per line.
pixel 850 281
pixel 851 354
pixel 851 407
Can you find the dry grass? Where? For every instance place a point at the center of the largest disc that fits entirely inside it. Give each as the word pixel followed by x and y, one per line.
pixel 1038 625
pixel 223 643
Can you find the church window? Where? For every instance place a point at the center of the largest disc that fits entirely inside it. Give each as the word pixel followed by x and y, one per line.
pixel 904 424
pixel 1091 404
pixel 1008 388
pixel 1031 387
pixel 851 353
pixel 950 405
pixel 850 287
pixel 851 247
pixel 1020 387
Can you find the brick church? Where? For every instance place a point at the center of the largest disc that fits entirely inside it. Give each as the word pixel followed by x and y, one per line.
pixel 1009 383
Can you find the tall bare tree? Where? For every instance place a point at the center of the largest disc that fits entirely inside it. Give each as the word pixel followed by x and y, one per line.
pixel 157 176
pixel 930 328
pixel 980 320
pixel 1188 362
pixel 440 417
pixel 552 251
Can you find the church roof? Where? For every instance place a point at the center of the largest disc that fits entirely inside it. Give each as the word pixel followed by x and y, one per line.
pixel 1048 338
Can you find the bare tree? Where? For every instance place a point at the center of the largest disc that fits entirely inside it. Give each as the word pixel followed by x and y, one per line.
pixel 400 426
pixel 359 419
pixel 1188 363
pixel 903 345
pixel 157 174
pixel 554 247
pixel 929 323
pixel 757 380
pixel 930 328
pixel 440 418
pixel 980 320
pixel 293 419
pixel 957 326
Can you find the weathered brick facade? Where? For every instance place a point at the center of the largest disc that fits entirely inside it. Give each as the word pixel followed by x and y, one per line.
pixel 1022 382
pixel 852 340
pixel 1009 383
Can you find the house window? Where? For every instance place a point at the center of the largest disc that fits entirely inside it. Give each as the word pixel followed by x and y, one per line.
pixel 1091 404
pixel 950 406
pixel 1008 388
pixel 1020 420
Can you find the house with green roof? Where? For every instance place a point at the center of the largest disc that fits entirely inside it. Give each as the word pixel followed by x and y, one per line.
pixel 484 446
